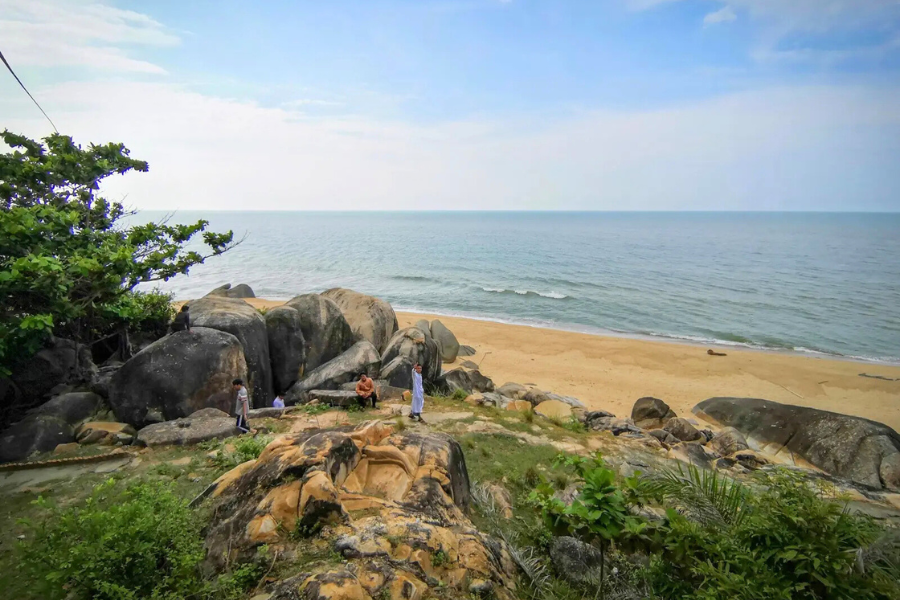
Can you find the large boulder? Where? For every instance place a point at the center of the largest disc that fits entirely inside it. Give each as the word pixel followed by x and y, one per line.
pixel 241 290
pixel 728 441
pixel 48 425
pixel 244 322
pixel 651 413
pixel 468 381
pixel 325 330
pixel 370 318
pixel 398 372
pixel 863 451
pixel 177 375
pixel 287 346
pixel 683 430
pixel 418 348
pixel 199 427
pixel 362 357
pixel 59 362
pixel 448 342
pixel 105 433
pixel 390 504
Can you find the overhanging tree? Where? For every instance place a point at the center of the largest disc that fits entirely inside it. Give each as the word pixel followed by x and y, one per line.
pixel 68 261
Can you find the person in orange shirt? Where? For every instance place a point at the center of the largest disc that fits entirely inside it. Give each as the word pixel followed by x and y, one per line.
pixel 365 390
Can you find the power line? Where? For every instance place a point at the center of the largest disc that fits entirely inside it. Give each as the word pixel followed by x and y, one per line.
pixel 13 73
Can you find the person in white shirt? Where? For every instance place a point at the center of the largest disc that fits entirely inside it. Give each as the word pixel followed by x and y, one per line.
pixel 418 394
pixel 241 406
pixel 278 402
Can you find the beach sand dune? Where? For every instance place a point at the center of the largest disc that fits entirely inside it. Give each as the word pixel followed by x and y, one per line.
pixel 610 373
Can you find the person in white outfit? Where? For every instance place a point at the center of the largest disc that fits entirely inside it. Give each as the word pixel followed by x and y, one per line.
pixel 418 394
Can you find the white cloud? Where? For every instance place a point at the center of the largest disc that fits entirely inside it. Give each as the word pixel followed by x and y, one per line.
pixel 790 148
pixel 723 15
pixel 55 33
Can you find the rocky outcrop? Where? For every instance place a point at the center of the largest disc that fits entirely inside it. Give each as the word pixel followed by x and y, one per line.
pixel 512 390
pixel 651 413
pixel 208 424
pixel 244 322
pixel 58 363
pixel 177 375
pixel 325 330
pixel 393 505
pixel 362 357
pixel 728 441
pixel 370 318
pixel 468 381
pixel 425 326
pixel 683 430
pixel 413 344
pixel 105 433
pixel 863 451
pixel 48 425
pixel 241 290
pixel 398 372
pixel 287 346
pixel 448 342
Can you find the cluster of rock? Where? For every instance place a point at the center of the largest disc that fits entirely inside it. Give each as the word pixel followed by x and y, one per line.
pixel 313 343
pixel 515 396
pixel 392 504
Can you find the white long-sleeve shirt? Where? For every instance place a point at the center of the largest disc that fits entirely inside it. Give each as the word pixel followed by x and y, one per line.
pixel 418 393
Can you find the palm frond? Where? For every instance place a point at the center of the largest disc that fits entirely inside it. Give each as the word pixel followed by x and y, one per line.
pixel 529 562
pixel 881 556
pixel 702 495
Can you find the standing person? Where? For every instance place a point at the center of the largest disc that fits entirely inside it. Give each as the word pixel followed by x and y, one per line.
pixel 365 390
pixel 241 406
pixel 418 394
pixel 182 321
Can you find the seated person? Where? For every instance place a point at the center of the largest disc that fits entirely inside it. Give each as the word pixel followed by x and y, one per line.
pixel 365 390
pixel 182 320
pixel 278 402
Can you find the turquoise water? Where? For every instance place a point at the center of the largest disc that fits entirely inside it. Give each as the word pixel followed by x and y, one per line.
pixel 806 282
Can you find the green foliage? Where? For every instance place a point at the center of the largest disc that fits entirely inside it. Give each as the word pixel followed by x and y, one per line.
pixel 788 542
pixel 440 558
pixel 245 448
pixel 144 543
pixel 459 394
pixel 704 495
pixel 314 409
pixel 67 259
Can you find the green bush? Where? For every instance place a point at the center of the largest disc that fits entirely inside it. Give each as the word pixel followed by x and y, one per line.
pixel 141 543
pixel 459 394
pixel 245 448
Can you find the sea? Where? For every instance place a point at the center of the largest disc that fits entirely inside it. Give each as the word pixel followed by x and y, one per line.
pixel 813 283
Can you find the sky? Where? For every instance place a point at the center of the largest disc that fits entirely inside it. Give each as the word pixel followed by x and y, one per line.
pixel 472 104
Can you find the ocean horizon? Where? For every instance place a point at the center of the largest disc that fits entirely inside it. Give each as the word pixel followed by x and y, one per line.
pixel 824 284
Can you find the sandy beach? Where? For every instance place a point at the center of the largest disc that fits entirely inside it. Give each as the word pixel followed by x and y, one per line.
pixel 610 373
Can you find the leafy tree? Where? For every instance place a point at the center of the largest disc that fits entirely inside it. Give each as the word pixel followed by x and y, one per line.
pixel 68 261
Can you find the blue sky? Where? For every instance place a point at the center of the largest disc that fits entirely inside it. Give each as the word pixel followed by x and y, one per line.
pixel 609 104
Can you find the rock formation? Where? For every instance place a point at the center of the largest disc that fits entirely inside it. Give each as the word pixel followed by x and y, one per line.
pixel 325 330
pixel 287 346
pixel 246 324
pixel 413 344
pixel 393 505
pixel 241 290
pixel 177 375
pixel 362 357
pixel 863 451
pixel 448 342
pixel 370 318
pixel 48 425
pixel 651 413
pixel 205 424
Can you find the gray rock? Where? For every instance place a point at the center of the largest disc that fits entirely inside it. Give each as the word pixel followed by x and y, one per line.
pixel 863 451
pixel 244 322
pixel 663 436
pixel 616 426
pixel 181 432
pixel 466 351
pixel 37 433
pixel 325 330
pixel 680 428
pixel 398 372
pixel 413 344
pixel 287 346
pixel 425 326
pixel 74 407
pixel 468 381
pixel 535 397
pixel 468 364
pixel 575 561
pixel 362 357
pixel 370 318
pixel 570 400
pixel 343 398
pixel 693 454
pixel 495 399
pixel 241 290
pixel 209 412
pixel 651 413
pixel 177 375
pixel 59 362
pixel 729 441
pixel 511 389
pixel 449 343
pixel 269 412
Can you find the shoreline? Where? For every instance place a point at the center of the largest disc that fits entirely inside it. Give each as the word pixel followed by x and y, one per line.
pixel 611 372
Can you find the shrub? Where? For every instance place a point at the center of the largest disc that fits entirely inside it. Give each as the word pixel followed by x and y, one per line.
pixel 459 394
pixel 245 448
pixel 141 543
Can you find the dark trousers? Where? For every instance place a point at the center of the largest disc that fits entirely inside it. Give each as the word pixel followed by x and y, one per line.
pixel 242 424
pixel 362 401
